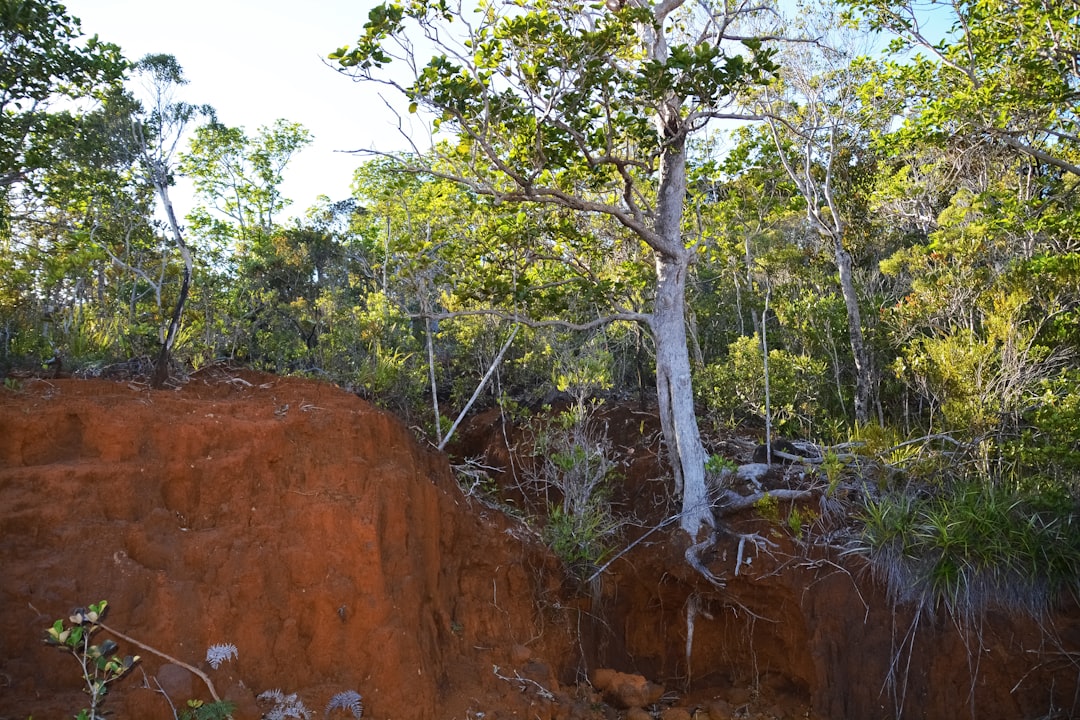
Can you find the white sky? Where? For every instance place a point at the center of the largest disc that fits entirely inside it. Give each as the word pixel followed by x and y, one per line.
pixel 257 61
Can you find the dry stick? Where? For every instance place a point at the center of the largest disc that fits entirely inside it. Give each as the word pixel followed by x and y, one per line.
pixel 765 365
pixel 434 384
pixel 194 670
pixel 146 684
pixel 629 547
pixel 540 689
pixel 479 388
pixel 759 543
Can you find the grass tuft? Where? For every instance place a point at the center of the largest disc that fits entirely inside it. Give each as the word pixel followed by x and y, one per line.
pixel 972 547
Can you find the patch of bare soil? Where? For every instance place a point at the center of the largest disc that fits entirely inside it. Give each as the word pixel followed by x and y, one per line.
pixel 313 532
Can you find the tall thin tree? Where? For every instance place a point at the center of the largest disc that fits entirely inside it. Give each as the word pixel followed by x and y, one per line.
pixel 157 134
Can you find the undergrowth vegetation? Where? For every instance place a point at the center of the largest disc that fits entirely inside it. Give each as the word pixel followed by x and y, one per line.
pixel 970 546
pixel 101 667
pixel 572 468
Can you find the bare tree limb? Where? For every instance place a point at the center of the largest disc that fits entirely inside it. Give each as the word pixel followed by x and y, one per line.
pixel 479 388
pixel 641 318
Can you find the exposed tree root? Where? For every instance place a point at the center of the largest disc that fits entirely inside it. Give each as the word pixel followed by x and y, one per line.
pixel 731 502
pixel 693 558
pixel 759 543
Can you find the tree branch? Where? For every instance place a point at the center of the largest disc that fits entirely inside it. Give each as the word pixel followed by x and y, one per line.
pixel 1045 157
pixel 642 318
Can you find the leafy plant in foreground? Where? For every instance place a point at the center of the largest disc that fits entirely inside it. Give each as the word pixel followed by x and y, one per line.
pixel 100 667
pixel 199 710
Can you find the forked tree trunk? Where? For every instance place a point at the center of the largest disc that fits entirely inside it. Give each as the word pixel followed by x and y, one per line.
pixel 161 365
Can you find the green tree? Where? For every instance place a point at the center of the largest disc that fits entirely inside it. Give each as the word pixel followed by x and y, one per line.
pixel 988 81
pixel 445 256
pixel 43 60
pixel 292 288
pixel 239 179
pixel 94 195
pixel 589 109
pixel 235 225
pixel 814 114
pixel 51 78
pixel 744 207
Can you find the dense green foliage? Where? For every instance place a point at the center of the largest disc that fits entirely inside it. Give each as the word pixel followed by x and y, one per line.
pixel 938 177
pixel 44 60
pixel 978 546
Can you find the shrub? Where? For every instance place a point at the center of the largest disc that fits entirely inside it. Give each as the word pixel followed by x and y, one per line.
pixel 736 386
pixel 972 546
pixel 582 540
pixel 98 663
pixel 980 378
pixel 1049 444
pixel 572 468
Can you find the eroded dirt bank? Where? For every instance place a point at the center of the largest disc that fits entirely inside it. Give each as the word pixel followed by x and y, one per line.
pixel 286 517
pixel 311 531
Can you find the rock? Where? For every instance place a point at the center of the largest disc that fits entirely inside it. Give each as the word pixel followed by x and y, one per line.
pixel 540 673
pixel 637 713
pixel 581 711
pixel 243 698
pixel 625 690
pixel 520 654
pixel 176 681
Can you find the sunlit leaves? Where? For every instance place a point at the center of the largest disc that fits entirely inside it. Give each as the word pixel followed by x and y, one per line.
pixel 239 177
pixel 552 86
pixel 986 80
pixel 43 58
pixel 706 73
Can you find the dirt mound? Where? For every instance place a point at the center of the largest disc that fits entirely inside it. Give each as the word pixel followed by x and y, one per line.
pixel 286 517
pixel 296 522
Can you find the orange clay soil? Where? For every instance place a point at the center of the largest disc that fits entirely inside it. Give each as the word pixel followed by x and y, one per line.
pixel 295 521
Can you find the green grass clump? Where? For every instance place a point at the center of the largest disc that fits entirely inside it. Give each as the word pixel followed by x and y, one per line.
pixel 973 546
